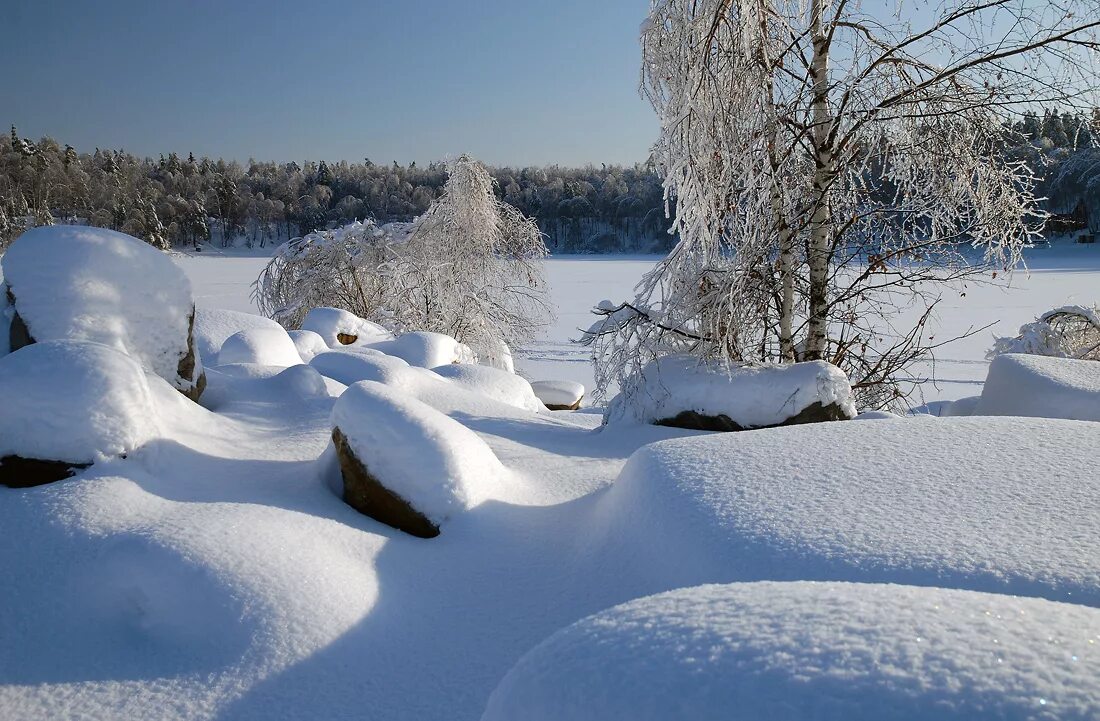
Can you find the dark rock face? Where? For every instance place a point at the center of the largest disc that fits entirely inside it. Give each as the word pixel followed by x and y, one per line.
pixel 815 413
pixel 186 368
pixel 346 338
pixel 575 406
pixel 19 472
pixel 366 494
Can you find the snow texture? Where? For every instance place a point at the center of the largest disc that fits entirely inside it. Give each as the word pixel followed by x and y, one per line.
pixel 92 284
pixel 752 396
pixel 262 346
pixel 1043 386
pixel 73 401
pixel 426 350
pixel 823 651
pixel 212 327
pixel 308 343
pixel 986 504
pixel 332 322
pixel 435 463
pixel 495 383
pixel 558 393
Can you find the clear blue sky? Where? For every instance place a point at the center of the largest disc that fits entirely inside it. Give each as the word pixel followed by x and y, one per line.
pixel 516 82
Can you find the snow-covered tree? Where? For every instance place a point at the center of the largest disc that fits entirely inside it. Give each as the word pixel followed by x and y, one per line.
pixel 1072 331
pixel 828 165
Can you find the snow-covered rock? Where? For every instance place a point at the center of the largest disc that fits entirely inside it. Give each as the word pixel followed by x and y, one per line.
pixel 426 350
pixel 252 383
pixel 682 391
pixel 1032 385
pixel 352 365
pixel 986 504
pixel 212 327
pixel 823 651
pixel 71 403
pixel 262 346
pixel 495 383
pixel 559 395
pixel 405 463
pixel 308 343
pixel 92 284
pixel 339 327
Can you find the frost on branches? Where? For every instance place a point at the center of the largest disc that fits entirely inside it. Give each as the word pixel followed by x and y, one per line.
pixel 830 170
pixel 1072 331
pixel 469 267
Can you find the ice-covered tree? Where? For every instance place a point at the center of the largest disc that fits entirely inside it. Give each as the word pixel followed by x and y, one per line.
pixel 829 164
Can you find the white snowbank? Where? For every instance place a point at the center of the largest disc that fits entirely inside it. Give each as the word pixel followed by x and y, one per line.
pixel 252 383
pixel 986 504
pixel 1032 385
pixel 751 396
pixel 426 350
pixel 212 327
pixel 5 318
pixel 355 364
pixel 558 393
pixel 262 346
pixel 329 323
pixel 92 284
pixel 823 651
pixel 73 401
pixel 495 383
pixel 435 463
pixel 308 344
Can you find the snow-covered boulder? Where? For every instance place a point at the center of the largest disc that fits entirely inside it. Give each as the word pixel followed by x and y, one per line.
pixel 406 464
pixel 1021 384
pixel 92 284
pixel 987 504
pixel 262 346
pixel 681 391
pixel 495 383
pixel 67 404
pixel 308 343
pixel 426 350
pixel 352 365
pixel 212 327
pixel 559 395
pixel 265 384
pixel 823 651
pixel 339 327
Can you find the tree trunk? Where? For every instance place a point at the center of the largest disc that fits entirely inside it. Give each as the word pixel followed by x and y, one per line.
pixel 818 252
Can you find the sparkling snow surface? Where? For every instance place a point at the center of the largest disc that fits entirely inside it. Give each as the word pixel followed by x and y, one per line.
pixel 824 651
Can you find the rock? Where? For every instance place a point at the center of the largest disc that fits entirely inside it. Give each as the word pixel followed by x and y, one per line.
pixel 559 395
pixel 19 472
pixel 366 494
pixel 346 338
pixel 814 413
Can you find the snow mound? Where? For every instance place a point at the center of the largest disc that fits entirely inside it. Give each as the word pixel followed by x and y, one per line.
pixel 356 364
pixel 558 393
pixel 436 464
pixel 823 651
pixel 92 284
pixel 262 346
pixel 251 383
pixel 495 383
pixel 212 327
pixel 426 350
pixel 751 396
pixel 1031 385
pixel 986 504
pixel 74 402
pixel 308 344
pixel 330 323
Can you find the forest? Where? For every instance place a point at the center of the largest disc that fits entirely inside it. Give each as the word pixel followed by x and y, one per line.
pixel 179 200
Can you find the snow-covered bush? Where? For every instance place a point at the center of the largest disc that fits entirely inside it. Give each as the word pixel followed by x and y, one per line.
pixel 1072 331
pixel 469 268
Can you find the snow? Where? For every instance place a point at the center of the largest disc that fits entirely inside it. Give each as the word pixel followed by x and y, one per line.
pixel 436 464
pixel 426 350
pixel 5 319
pixel 494 383
pixel 262 346
pixel 212 327
pixel 558 393
pixel 93 284
pixel 829 651
pixel 251 383
pixel 308 344
pixel 332 322
pixel 986 504
pixel 73 401
pixel 1043 386
pixel 752 396
pixel 356 364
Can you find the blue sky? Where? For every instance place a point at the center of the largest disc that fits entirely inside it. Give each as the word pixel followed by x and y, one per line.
pixel 515 82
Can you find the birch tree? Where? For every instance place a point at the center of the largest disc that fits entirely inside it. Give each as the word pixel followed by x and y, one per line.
pixel 830 165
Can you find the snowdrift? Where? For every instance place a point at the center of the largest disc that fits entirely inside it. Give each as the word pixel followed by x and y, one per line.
pixel 212 327
pixel 1031 385
pixel 261 346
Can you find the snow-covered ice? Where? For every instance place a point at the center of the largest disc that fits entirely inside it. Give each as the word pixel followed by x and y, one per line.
pixel 1043 386
pixel 824 651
